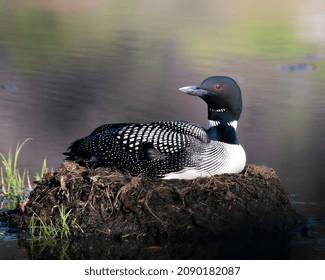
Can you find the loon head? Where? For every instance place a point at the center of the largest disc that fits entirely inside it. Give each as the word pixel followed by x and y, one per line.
pixel 222 95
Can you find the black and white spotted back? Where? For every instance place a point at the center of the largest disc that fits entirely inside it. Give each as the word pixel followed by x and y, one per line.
pixel 153 149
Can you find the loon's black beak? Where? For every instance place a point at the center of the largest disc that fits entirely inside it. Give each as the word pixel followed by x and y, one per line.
pixel 194 90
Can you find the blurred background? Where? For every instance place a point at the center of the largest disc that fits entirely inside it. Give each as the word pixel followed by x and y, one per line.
pixel 68 66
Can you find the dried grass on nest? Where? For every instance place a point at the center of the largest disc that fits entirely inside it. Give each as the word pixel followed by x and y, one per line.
pixel 109 202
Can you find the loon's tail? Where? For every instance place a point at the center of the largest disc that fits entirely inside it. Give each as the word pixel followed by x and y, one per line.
pixel 73 151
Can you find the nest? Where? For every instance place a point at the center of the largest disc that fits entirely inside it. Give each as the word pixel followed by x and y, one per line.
pixel 108 202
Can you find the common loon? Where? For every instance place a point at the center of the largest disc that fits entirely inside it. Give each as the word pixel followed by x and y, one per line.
pixel 173 149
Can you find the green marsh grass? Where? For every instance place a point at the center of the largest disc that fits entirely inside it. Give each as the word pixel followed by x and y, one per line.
pixel 38 176
pixel 59 229
pixel 12 180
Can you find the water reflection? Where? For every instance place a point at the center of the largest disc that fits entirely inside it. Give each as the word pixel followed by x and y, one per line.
pixel 300 67
pixel 313 56
pixel 308 240
pixel 8 87
pixel 209 248
pixel 67 68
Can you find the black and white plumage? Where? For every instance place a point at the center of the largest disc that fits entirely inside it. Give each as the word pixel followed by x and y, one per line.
pixel 173 149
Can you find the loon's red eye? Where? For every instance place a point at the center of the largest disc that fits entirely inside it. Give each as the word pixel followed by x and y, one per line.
pixel 218 87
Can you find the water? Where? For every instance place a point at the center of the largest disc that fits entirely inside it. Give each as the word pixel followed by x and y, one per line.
pixel 68 66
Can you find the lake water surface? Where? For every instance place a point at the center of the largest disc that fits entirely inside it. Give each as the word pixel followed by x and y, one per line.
pixel 67 67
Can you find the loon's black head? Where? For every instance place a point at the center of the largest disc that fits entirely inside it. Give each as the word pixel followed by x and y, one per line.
pixel 222 95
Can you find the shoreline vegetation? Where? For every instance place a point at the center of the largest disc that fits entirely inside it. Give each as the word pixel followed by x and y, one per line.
pixel 12 180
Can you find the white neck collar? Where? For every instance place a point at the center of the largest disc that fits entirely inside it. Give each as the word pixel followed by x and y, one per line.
pixel 212 123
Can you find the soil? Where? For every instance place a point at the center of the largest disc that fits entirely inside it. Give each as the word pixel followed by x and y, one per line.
pixel 122 207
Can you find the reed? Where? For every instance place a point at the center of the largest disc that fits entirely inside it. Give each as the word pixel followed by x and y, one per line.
pixel 12 180
pixel 60 228
pixel 38 176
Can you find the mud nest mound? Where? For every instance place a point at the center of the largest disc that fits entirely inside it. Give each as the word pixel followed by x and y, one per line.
pixel 108 202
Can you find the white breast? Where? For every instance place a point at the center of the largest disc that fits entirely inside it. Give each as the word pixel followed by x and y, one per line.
pixel 216 158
